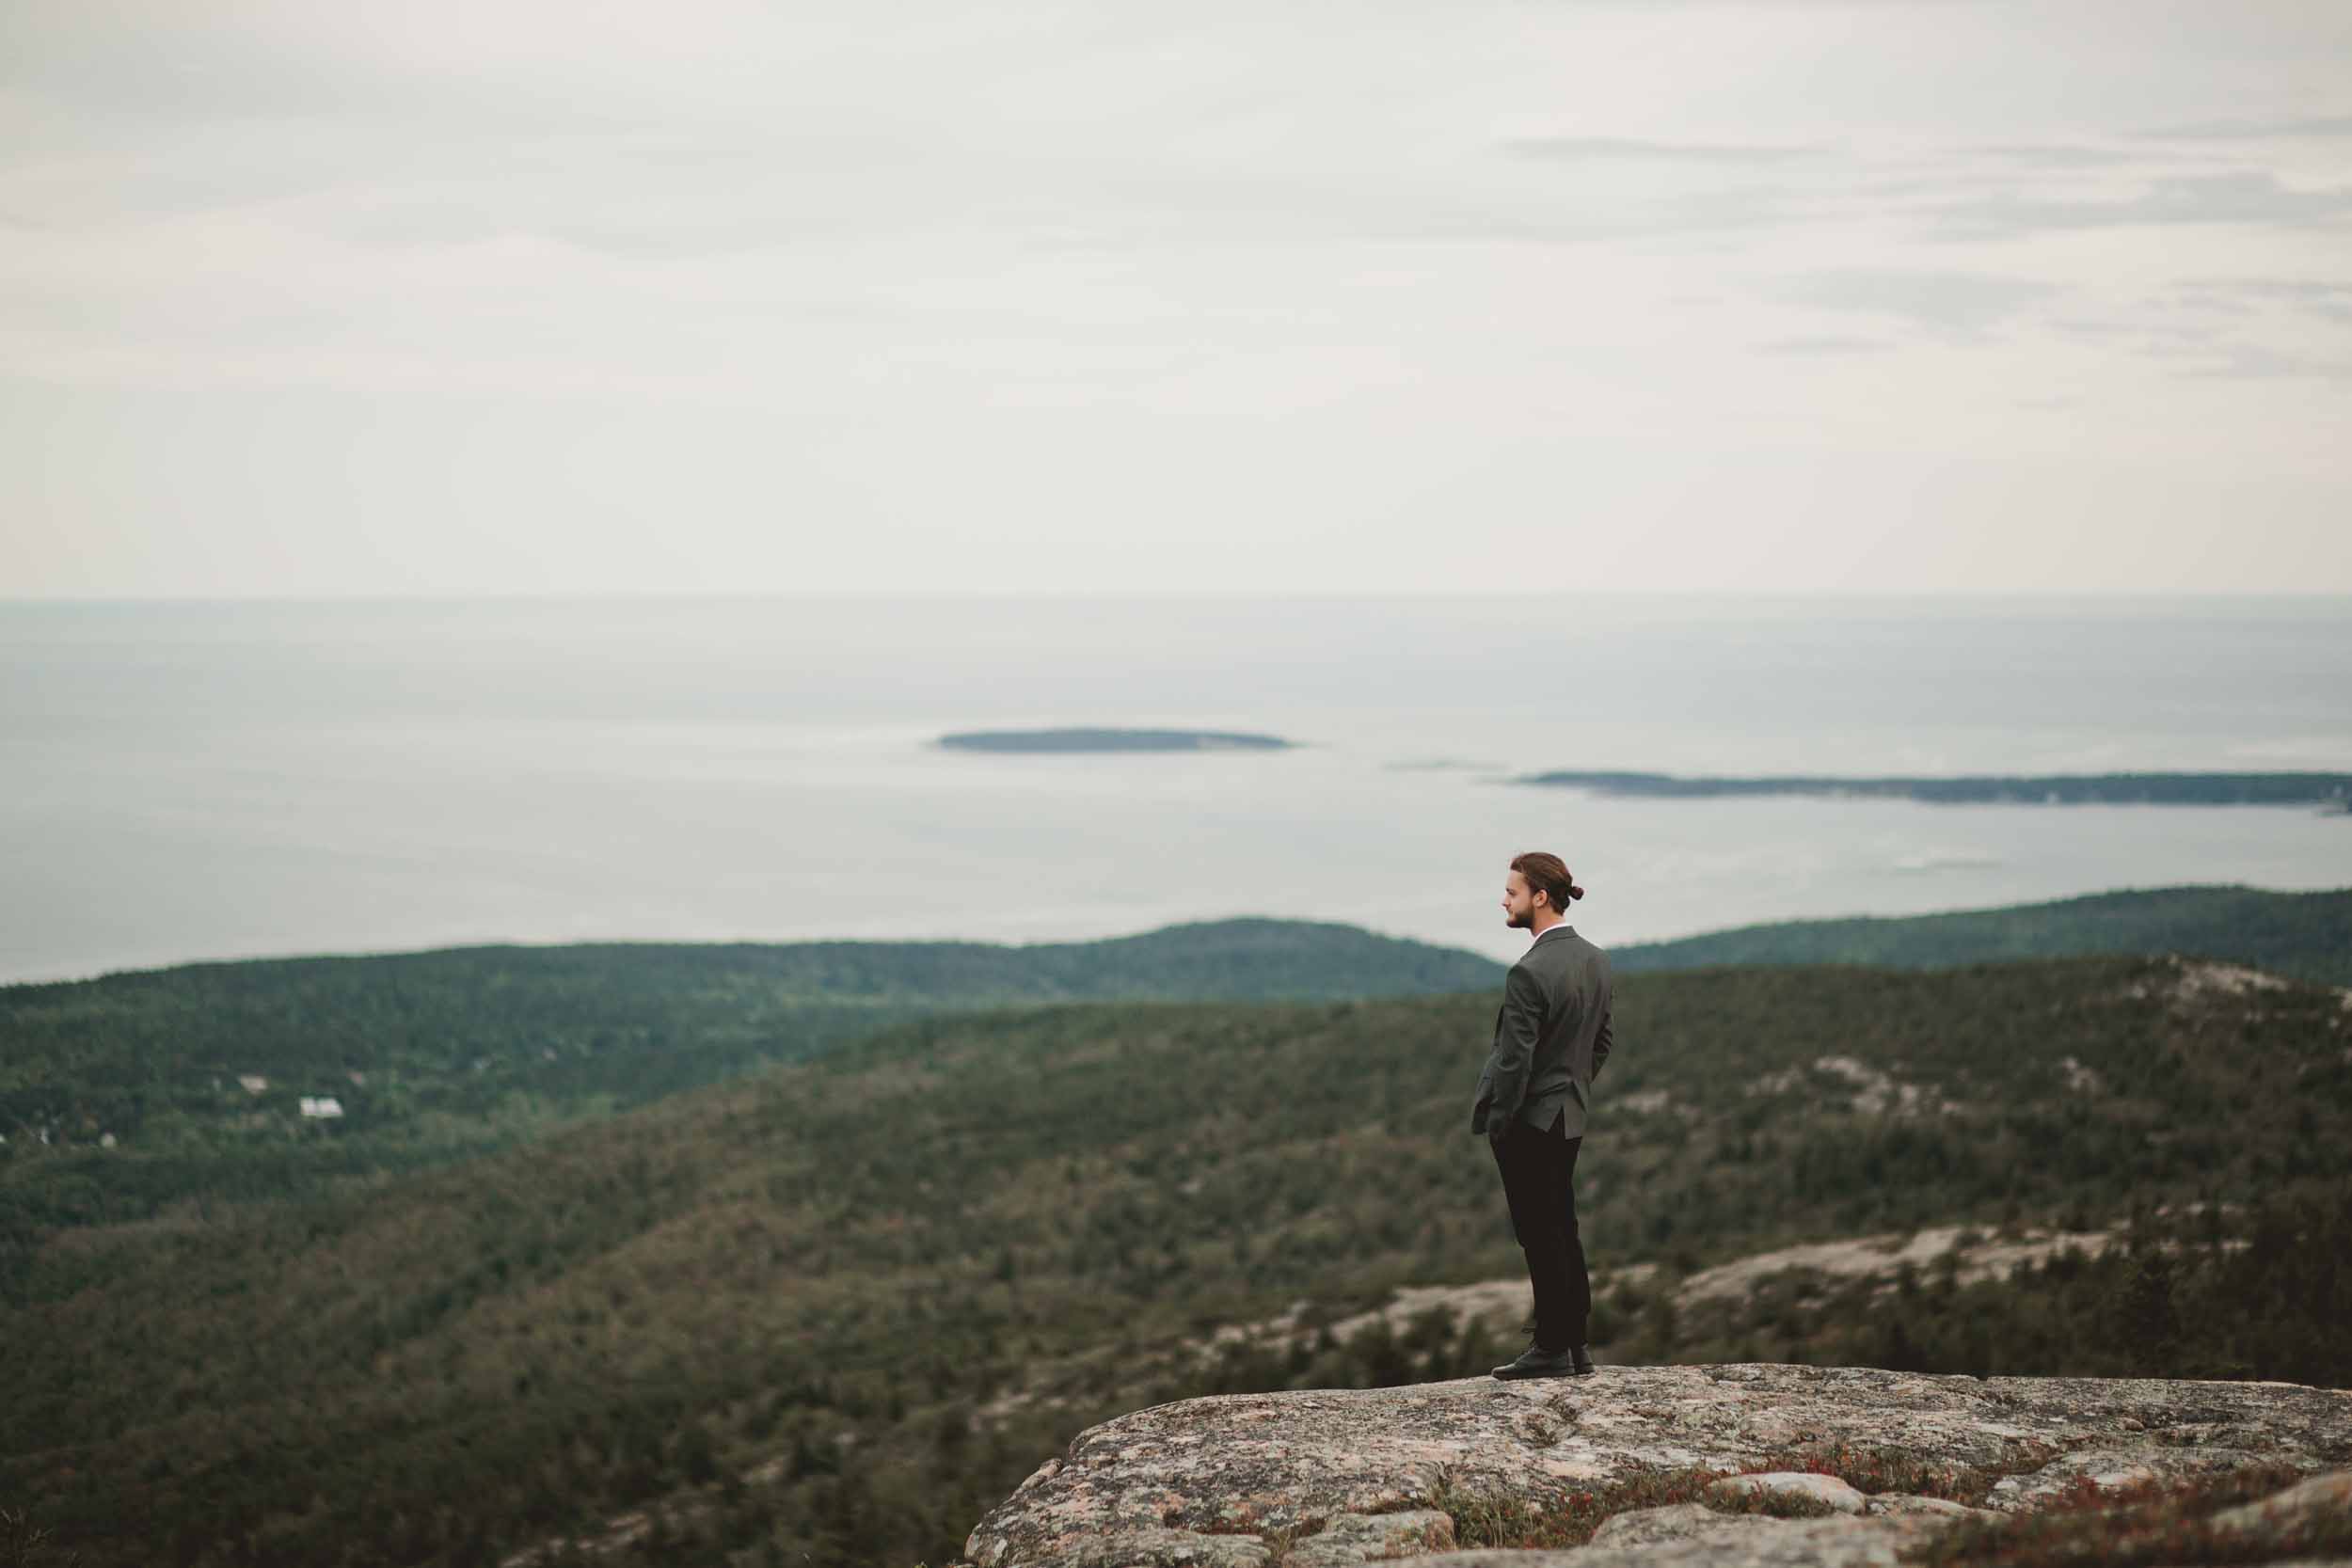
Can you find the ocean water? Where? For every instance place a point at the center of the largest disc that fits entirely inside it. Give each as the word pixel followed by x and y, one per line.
pixel 224 780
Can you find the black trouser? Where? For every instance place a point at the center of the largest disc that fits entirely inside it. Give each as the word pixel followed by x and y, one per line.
pixel 1537 1171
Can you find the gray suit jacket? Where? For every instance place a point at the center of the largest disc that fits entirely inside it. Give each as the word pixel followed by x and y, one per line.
pixel 1551 1035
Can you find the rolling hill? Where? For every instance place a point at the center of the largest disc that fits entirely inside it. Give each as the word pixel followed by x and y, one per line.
pixel 2304 934
pixel 186 1085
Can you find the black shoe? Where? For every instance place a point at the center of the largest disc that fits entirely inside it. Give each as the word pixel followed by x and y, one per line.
pixel 1535 1361
pixel 1580 1356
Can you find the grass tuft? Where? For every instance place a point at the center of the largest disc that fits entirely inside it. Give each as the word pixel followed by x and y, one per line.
pixel 2138 1527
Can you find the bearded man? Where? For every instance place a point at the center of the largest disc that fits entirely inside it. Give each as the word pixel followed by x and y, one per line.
pixel 1551 1036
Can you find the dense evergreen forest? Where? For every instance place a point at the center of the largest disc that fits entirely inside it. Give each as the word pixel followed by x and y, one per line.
pixel 827 1311
pixel 135 1086
pixel 2308 935
pixel 2252 1291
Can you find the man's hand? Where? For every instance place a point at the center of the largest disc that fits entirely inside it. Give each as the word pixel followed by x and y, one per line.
pixel 1498 1128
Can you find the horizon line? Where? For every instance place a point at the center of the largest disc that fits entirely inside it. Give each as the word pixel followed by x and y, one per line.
pixel 555 944
pixel 1173 595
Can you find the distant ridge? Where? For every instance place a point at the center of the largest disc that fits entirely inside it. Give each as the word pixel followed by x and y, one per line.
pixel 1112 740
pixel 190 1083
pixel 2306 935
pixel 1245 957
pixel 438 1055
pixel 2331 791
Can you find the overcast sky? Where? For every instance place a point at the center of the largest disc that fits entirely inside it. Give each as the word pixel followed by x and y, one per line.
pixel 451 296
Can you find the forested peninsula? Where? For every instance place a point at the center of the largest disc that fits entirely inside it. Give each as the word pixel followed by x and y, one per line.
pixel 2330 791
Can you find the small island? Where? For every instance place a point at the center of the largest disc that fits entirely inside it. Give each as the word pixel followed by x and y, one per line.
pixel 2329 792
pixel 1063 740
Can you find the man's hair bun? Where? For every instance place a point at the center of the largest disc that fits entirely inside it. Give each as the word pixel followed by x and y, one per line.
pixel 1547 874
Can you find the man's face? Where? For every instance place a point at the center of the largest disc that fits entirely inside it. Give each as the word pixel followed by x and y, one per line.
pixel 1518 902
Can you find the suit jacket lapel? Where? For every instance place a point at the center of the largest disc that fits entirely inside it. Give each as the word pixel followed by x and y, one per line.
pixel 1561 926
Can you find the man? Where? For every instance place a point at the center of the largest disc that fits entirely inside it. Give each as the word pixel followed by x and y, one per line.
pixel 1551 1036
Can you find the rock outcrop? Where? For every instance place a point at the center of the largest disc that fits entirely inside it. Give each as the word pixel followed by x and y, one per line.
pixel 1326 1477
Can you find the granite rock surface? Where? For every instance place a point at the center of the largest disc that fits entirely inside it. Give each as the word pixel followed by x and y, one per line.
pixel 1206 1481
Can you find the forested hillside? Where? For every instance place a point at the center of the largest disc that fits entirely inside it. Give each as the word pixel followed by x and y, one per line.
pixel 821 1310
pixel 2308 935
pixel 185 1086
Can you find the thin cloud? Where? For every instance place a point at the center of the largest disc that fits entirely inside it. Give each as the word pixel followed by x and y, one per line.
pixel 2256 362
pixel 1742 207
pixel 2328 301
pixel 1950 304
pixel 2308 126
pixel 1825 346
pixel 2240 197
pixel 1593 149
pixel 2065 156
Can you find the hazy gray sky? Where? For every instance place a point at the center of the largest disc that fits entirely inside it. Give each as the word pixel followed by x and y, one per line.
pixel 486 296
